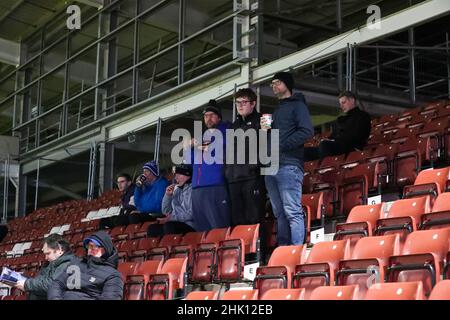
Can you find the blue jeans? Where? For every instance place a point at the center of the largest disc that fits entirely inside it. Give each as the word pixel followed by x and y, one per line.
pixel 285 192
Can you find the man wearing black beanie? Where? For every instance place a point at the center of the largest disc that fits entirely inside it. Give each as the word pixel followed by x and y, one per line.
pixel 293 122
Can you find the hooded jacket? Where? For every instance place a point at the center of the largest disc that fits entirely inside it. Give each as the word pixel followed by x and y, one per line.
pixel 293 121
pixel 179 205
pixel 91 278
pixel 204 174
pixel 38 286
pixel 241 172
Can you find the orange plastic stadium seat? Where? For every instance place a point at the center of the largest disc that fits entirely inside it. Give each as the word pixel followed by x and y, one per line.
pixel 396 291
pixel 136 282
pixel 161 252
pixel 144 246
pixel 171 278
pixel 403 217
pixel 428 182
pixel 421 259
pixel 441 291
pixel 284 294
pixel 314 208
pixel 127 268
pixel 240 295
pixel 335 293
pixel 440 214
pixel 127 247
pixel 202 295
pixel 205 256
pixel 321 265
pixel 278 272
pixel 360 222
pixel 186 246
pixel 369 262
pixel 231 252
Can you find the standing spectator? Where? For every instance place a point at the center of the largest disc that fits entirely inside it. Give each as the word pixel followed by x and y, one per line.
pixel 293 121
pixel 349 134
pixel 126 187
pixel 210 200
pixel 95 277
pixel 176 205
pixel 246 186
pixel 148 194
pixel 58 255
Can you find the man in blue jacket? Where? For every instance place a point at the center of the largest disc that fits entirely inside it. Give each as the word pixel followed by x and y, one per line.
pixel 210 200
pixel 293 121
pixel 148 194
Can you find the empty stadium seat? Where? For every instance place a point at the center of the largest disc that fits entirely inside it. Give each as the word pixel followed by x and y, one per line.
pixel 321 265
pixel 240 295
pixel 335 293
pixel 144 246
pixel 421 258
pixel 395 291
pixel 440 214
pixel 278 272
pixel 161 252
pixel 441 291
pixel 136 282
pixel 202 295
pixel 172 277
pixel 428 182
pixel 284 294
pixel 186 246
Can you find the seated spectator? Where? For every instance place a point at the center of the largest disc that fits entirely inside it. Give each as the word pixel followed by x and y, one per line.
pixel 176 205
pixel 148 194
pixel 95 277
pixel 58 255
pixel 350 132
pixel 126 186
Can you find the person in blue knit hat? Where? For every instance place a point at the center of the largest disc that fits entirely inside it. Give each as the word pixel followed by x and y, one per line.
pixel 148 194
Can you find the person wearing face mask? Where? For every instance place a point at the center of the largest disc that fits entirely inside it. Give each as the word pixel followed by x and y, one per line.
pixel 94 277
pixel 58 256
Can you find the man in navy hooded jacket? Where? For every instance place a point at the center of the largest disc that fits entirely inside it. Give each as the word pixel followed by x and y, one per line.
pixel 210 199
pixel 293 121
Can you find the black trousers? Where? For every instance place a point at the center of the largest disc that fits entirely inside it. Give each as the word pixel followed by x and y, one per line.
pixel 170 227
pixel 247 201
pixel 3 232
pixel 111 222
pixel 325 149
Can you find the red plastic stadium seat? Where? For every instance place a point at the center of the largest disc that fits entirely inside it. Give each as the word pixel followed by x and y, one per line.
pixel 126 268
pixel 335 293
pixel 428 182
pixel 202 295
pixel 240 295
pixel 187 245
pixel 321 265
pixel 278 272
pixel 440 215
pixel 396 291
pixel 284 294
pixel 136 282
pixel 161 252
pixel 172 277
pixel 441 291
pixel 369 261
pixel 421 259
pixel 144 246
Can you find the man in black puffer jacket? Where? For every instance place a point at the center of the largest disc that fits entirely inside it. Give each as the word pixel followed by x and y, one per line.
pixel 95 277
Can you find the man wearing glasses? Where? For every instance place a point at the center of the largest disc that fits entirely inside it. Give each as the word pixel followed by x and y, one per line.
pixel 293 121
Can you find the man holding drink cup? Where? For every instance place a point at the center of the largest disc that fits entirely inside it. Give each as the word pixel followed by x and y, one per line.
pixel 293 121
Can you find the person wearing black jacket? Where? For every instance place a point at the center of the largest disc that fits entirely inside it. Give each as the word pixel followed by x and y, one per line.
pixel 350 132
pixel 95 277
pixel 245 184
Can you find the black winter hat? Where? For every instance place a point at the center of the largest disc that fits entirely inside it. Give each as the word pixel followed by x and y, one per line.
pixel 184 169
pixel 212 107
pixel 286 77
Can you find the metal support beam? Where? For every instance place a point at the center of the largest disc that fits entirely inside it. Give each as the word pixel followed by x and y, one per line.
pixel 36 193
pixel 418 14
pixel 157 140
pixel 448 61
pixel 106 167
pixel 9 52
pixel 93 3
pixel 181 34
pixel 340 58
pixel 412 67
pixel 286 20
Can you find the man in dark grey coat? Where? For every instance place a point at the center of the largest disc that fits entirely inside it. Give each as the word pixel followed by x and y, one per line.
pixel 95 277
pixel 57 253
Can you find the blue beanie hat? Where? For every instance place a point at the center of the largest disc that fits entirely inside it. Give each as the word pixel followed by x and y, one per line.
pixel 152 167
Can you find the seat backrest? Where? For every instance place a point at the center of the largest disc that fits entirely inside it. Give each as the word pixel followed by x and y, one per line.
pixel 176 267
pixel 331 162
pixel 395 291
pixel 202 295
pixel 126 269
pixel 287 256
pixel 440 176
pixel 249 234
pixel 314 201
pixel 329 251
pixel 381 247
pixel 149 267
pixel 413 207
pixel 170 240
pixel 284 294
pixel 384 151
pixel 434 241
pixel 442 202
pixel 192 238
pixel 240 295
pixel 216 235
pixel 366 213
pixel 441 291
pixel 148 243
pixel 357 156
pixel 335 293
